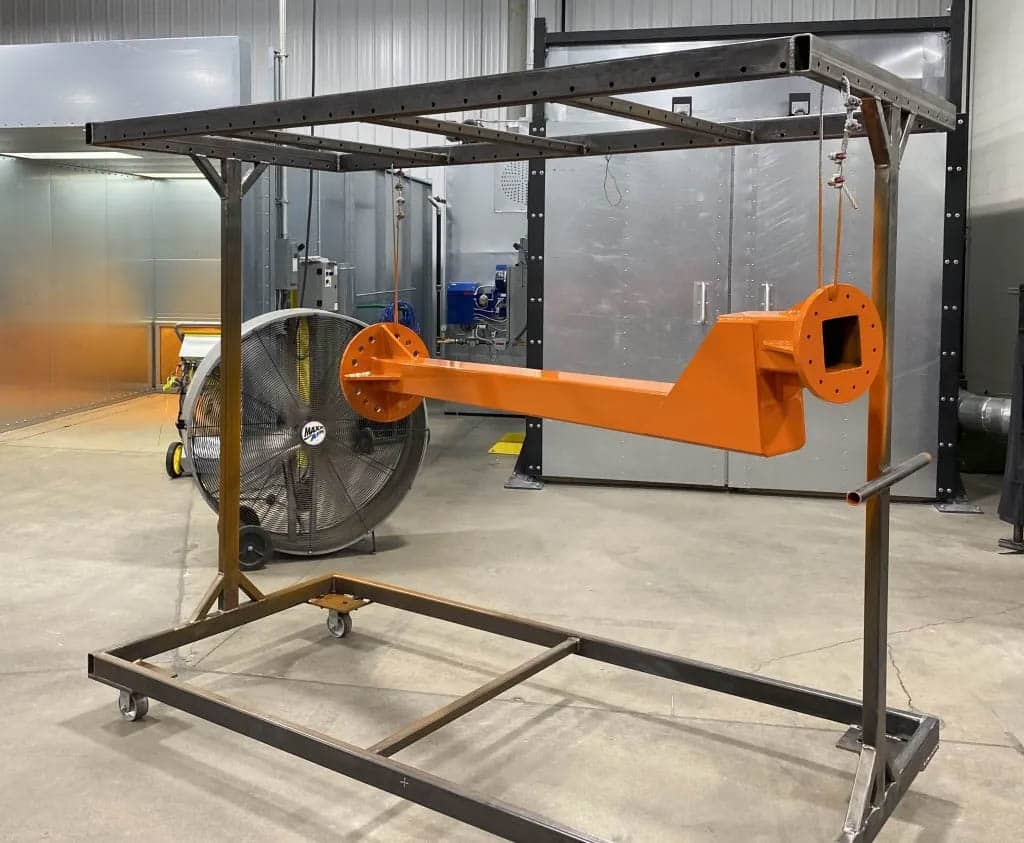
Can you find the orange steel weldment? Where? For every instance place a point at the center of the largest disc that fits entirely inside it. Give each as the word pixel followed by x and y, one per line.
pixel 742 391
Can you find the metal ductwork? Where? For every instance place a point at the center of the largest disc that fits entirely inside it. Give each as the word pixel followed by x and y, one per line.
pixel 984 413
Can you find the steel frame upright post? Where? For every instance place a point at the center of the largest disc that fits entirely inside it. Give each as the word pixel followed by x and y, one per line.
pixel 888 135
pixel 230 380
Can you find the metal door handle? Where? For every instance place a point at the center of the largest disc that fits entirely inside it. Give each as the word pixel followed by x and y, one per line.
pixel 700 302
pixel 766 295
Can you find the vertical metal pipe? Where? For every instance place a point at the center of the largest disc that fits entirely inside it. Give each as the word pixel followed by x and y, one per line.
pixel 230 379
pixel 876 539
pixel 280 175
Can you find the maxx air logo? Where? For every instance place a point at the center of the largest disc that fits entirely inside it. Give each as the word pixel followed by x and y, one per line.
pixel 313 433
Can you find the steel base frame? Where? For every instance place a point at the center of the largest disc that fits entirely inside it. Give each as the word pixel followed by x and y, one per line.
pixel 913 738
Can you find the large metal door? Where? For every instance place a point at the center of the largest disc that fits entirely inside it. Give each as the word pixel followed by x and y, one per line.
pixel 627 241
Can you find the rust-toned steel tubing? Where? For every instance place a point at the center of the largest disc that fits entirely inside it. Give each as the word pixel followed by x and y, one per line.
pixel 887 478
pixel 430 723
pixel 885 132
pixel 230 380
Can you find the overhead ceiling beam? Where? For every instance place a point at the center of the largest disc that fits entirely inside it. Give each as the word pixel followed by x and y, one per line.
pixel 659 117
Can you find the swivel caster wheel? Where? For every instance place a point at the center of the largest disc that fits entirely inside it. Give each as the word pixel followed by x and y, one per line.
pixel 133 706
pixel 254 547
pixel 339 624
pixel 173 460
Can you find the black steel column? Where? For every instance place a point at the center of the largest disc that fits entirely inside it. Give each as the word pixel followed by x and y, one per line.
pixel 530 458
pixel 954 254
pixel 948 485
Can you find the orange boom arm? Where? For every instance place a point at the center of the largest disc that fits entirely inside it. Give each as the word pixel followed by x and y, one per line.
pixel 743 390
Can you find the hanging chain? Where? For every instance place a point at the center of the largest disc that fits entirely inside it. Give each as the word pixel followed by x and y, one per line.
pixel 838 180
pixel 399 215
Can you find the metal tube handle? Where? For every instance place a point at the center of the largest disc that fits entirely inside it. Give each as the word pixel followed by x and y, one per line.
pixel 890 476
pixel 700 302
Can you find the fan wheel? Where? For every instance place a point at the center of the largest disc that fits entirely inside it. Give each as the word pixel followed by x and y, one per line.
pixel 255 548
pixel 173 460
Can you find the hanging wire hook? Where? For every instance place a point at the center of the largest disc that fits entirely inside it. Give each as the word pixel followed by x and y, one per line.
pixel 838 180
pixel 821 187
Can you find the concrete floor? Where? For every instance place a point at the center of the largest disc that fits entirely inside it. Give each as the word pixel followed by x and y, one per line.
pixel 101 547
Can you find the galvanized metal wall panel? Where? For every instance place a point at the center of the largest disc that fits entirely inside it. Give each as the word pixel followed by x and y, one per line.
pixel 628 239
pixel 365 44
pixel 996 205
pixel 354 226
pixel 76 281
pixel 42 21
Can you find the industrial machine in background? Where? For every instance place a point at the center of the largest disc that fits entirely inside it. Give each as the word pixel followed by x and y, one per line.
pixel 302 280
pixel 491 314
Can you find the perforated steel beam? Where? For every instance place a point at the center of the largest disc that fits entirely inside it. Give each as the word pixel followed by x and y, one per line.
pixel 472 132
pixel 294 139
pixel 803 55
pixel 765 59
pixel 659 117
pixel 213 146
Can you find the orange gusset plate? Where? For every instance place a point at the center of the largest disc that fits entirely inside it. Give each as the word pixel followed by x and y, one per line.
pixel 743 390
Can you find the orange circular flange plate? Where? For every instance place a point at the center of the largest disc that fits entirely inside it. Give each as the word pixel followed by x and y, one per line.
pixel 838 343
pixel 374 351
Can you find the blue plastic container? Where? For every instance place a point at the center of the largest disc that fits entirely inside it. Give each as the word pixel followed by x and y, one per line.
pixel 461 298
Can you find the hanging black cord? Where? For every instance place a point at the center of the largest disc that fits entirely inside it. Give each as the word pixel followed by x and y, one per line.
pixel 309 203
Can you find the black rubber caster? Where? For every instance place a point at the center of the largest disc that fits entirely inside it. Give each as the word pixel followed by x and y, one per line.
pixel 339 624
pixel 173 460
pixel 132 706
pixel 254 547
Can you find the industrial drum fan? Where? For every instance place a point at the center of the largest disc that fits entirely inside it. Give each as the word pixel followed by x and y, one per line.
pixel 315 476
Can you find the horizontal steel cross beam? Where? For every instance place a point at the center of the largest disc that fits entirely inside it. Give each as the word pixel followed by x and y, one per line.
pixel 768 130
pixel 764 59
pixel 470 132
pixel 294 139
pixel 659 117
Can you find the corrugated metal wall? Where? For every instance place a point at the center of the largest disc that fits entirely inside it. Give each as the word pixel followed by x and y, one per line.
pixel 360 43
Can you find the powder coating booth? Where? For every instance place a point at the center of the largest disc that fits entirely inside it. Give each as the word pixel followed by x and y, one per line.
pixel 892 745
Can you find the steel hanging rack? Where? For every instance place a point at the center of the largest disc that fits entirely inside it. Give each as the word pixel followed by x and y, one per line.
pixel 892 745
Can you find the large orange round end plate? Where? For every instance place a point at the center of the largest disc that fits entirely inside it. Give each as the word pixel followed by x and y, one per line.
pixel 838 343
pixel 371 353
